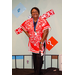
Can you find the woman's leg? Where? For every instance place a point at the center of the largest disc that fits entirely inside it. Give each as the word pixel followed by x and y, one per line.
pixel 34 62
pixel 39 60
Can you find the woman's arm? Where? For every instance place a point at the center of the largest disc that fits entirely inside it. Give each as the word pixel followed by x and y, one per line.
pixel 26 32
pixel 45 34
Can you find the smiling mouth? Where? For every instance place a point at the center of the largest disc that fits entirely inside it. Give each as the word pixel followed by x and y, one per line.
pixel 35 15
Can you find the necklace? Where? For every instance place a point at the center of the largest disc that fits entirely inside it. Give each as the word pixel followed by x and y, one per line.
pixel 35 23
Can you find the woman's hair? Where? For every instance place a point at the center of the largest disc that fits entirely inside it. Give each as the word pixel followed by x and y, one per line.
pixel 36 9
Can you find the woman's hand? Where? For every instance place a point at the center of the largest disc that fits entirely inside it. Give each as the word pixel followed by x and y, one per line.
pixel 40 46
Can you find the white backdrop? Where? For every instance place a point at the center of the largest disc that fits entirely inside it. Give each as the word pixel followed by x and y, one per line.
pixel 20 42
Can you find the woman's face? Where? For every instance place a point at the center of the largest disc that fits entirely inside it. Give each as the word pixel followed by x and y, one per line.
pixel 35 13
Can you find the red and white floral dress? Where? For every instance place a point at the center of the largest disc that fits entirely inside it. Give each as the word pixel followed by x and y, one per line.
pixel 35 37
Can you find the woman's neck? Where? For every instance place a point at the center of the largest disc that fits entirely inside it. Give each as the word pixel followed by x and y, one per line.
pixel 35 19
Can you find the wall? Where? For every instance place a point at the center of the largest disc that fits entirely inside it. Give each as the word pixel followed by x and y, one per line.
pixel 20 42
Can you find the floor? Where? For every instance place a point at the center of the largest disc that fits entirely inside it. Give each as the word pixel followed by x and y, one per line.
pixel 50 71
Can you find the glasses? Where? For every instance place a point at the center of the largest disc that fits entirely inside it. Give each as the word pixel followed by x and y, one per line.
pixel 34 12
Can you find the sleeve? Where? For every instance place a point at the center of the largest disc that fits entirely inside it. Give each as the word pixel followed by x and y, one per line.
pixel 18 30
pixel 24 26
pixel 45 26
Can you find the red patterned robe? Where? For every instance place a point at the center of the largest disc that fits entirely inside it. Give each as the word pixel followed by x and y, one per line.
pixel 35 37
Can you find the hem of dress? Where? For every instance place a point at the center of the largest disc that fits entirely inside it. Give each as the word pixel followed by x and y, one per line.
pixel 37 53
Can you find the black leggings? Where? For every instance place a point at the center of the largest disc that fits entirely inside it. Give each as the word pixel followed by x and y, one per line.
pixel 37 61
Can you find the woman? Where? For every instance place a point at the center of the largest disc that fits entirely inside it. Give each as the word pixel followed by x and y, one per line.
pixel 37 30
